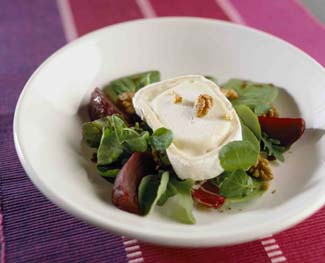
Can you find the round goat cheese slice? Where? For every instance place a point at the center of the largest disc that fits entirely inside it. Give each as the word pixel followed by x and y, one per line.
pixel 175 104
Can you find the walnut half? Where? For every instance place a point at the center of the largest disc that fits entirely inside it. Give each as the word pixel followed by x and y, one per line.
pixel 230 94
pixel 262 169
pixel 202 105
pixel 125 102
pixel 272 112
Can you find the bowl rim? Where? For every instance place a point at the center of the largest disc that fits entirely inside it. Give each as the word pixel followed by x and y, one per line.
pixel 118 228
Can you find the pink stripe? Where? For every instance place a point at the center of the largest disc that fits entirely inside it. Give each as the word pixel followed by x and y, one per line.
pixel 206 8
pixel 2 237
pixel 287 20
pixel 231 11
pixel 67 19
pixel 272 249
pixel 146 8
pixel 132 250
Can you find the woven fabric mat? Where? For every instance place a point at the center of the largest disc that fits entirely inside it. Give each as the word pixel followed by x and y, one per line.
pixel 34 230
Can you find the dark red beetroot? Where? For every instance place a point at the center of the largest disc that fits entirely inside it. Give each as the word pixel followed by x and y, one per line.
pixel 286 130
pixel 101 106
pixel 208 195
pixel 125 190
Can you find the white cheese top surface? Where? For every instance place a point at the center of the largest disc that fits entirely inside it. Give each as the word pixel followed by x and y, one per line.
pixel 192 135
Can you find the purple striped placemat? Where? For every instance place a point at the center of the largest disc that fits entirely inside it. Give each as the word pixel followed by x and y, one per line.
pixel 34 230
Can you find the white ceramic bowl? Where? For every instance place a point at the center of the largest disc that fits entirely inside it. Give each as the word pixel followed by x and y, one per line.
pixel 48 118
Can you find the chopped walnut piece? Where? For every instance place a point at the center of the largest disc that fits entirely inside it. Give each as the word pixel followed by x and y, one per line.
pixel 203 103
pixel 125 102
pixel 271 113
pixel 227 117
pixel 231 94
pixel 262 169
pixel 176 98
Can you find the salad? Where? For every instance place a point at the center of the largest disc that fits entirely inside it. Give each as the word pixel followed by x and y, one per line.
pixel 186 141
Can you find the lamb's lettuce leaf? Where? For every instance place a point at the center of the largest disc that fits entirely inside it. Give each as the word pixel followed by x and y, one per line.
pixel 119 125
pixel 130 83
pixel 249 136
pixel 107 171
pixel 257 96
pixel 132 138
pixel 237 186
pixel 116 141
pixel 257 190
pixel 143 79
pixel 251 130
pixel 272 147
pixel 137 142
pixel 161 139
pixel 171 190
pixel 92 131
pixel 177 200
pixel 243 154
pixel 249 119
pixel 238 155
pixel 150 190
pixel 109 149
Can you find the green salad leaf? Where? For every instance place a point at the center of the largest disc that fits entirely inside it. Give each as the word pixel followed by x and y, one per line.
pixel 161 139
pixel 170 191
pixel 243 154
pixel 91 134
pixel 249 119
pixel 118 87
pixel 272 147
pixel 257 190
pixel 163 158
pixel 150 190
pixel 137 142
pixel 109 149
pixel 107 171
pixel 145 78
pixel 119 125
pixel 130 83
pixel 116 141
pixel 134 138
pixel 238 186
pixel 249 136
pixel 238 155
pixel 257 96
pixel 177 200
pixel 251 130
pixel 92 131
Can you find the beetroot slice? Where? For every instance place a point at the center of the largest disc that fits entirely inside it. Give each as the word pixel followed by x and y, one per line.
pixel 125 190
pixel 208 195
pixel 286 130
pixel 101 106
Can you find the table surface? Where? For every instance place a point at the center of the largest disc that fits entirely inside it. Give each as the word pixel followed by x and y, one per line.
pixel 34 230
